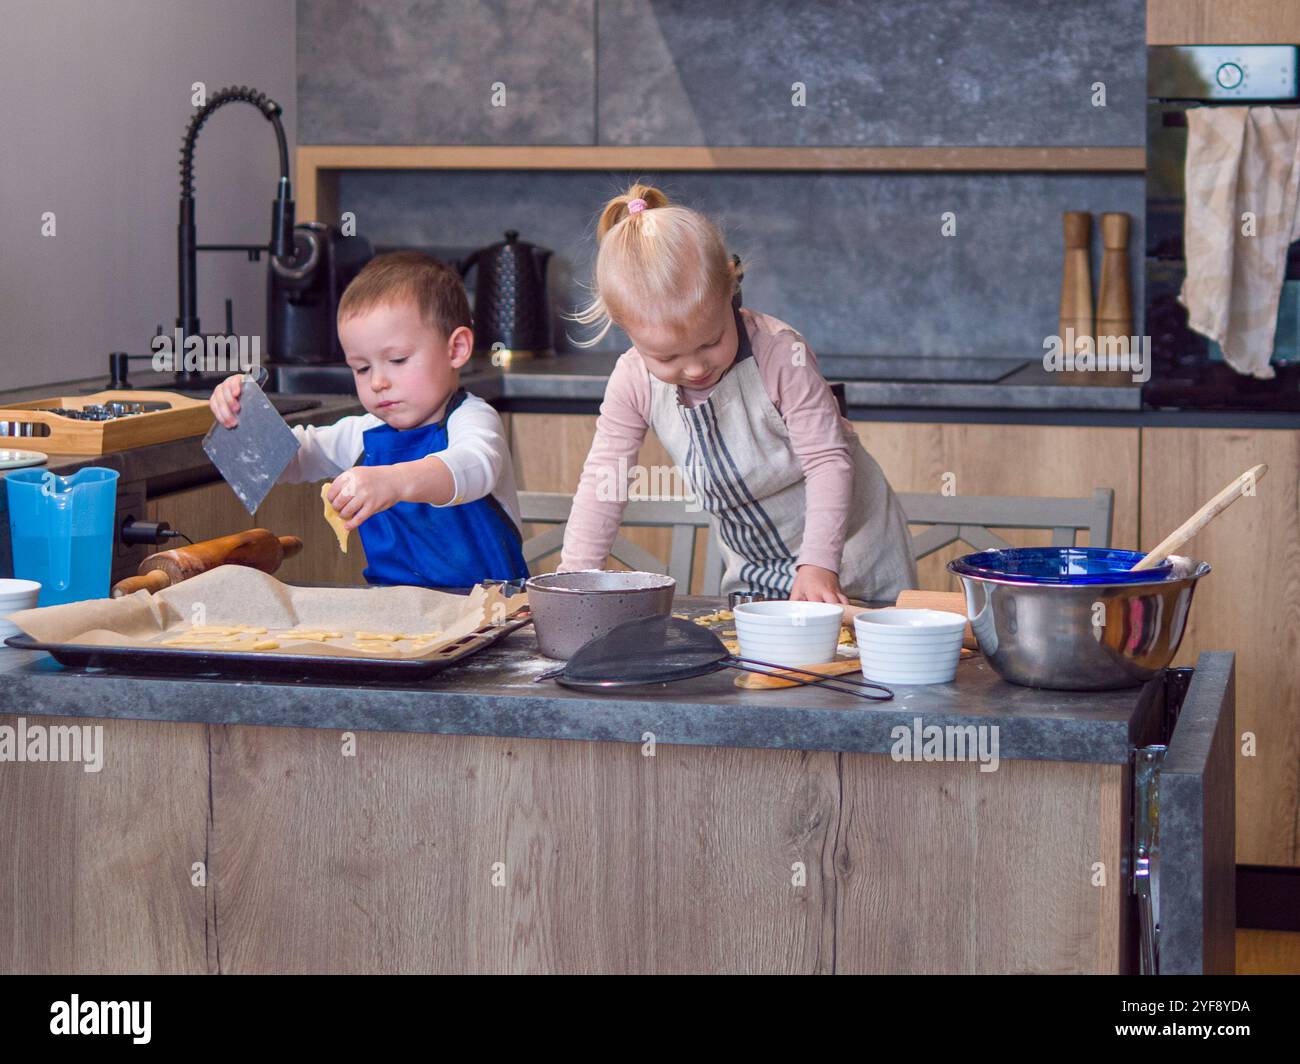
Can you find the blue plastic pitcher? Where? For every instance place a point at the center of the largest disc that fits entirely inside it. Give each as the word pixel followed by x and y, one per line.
pixel 62 531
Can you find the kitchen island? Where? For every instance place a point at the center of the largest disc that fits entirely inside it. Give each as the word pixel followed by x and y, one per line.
pixel 485 822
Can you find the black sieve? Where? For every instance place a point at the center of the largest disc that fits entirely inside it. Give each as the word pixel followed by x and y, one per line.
pixel 661 649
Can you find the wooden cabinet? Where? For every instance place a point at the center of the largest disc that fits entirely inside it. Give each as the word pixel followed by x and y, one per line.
pixel 1223 22
pixel 1250 604
pixel 431 852
pixel 1030 460
pixel 549 452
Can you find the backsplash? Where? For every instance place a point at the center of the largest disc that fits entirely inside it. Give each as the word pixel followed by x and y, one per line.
pixel 855 261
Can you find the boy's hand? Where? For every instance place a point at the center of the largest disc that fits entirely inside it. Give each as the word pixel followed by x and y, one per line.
pixel 364 491
pixel 225 401
pixel 812 583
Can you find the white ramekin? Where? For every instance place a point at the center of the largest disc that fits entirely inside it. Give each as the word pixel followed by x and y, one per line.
pixel 15 595
pixel 789 633
pixel 909 646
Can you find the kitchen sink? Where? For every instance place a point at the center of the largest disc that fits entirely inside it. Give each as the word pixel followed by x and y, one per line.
pixel 330 379
pixel 291 404
pixel 284 404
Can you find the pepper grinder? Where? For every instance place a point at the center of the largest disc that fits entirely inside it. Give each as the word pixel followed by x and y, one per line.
pixel 1076 283
pixel 1115 299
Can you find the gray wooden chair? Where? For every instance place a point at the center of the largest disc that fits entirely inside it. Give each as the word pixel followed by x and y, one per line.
pixel 969 518
pixel 552 508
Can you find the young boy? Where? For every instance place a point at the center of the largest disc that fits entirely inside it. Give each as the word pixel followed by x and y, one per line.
pixel 425 474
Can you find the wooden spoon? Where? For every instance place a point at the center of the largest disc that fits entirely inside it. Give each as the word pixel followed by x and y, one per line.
pixel 1202 517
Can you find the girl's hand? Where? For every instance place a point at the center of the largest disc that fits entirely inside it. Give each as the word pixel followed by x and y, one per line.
pixel 364 491
pixel 225 401
pixel 812 583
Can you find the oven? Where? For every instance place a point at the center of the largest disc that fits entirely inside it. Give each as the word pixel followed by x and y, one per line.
pixel 1188 370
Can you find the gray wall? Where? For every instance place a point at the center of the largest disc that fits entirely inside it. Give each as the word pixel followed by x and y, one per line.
pixel 96 100
pixel 878 72
pixel 855 261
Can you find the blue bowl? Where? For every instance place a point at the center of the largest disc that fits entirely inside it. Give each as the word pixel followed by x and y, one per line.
pixel 1068 566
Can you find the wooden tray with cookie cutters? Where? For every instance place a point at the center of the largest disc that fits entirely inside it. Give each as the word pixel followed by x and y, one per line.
pixel 205 664
pixel 160 417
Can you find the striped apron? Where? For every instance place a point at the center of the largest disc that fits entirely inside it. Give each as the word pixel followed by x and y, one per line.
pixel 735 452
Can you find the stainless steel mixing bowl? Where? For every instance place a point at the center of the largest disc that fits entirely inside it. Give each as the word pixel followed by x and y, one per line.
pixel 1091 637
pixel 570 609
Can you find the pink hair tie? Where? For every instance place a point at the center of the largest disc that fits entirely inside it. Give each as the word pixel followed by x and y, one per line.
pixel 636 206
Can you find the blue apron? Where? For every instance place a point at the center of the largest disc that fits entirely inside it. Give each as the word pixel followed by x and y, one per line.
pixel 435 546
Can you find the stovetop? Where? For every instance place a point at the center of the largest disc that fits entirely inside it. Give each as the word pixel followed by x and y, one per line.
pixel 1216 386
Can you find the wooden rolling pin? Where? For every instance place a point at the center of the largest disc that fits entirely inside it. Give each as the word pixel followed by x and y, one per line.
pixel 256 548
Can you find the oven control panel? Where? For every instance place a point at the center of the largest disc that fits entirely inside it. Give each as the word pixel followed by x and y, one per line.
pixel 1223 72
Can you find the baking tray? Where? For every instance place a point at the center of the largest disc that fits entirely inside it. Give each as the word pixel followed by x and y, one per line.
pixel 233 665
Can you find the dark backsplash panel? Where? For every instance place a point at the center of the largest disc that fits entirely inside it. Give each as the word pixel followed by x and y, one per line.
pixel 855 261
pixel 933 72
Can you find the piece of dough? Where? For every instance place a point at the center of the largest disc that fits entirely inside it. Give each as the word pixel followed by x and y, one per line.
pixel 266 644
pixel 384 637
pixel 333 519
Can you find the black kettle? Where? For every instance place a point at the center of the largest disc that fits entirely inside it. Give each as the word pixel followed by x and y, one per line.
pixel 512 314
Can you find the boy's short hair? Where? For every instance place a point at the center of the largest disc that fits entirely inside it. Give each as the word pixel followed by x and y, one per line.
pixel 435 288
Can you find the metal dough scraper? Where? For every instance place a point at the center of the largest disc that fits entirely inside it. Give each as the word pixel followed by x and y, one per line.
pixel 253 454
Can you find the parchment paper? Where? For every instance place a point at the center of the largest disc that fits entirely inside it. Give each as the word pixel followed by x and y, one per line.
pixel 236 594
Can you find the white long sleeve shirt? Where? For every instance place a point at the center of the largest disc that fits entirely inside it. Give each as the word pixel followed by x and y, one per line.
pixel 477 453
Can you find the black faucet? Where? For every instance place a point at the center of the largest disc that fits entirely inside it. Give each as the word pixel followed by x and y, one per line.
pixel 282 215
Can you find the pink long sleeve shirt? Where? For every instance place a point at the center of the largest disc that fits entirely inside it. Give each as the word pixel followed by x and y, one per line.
pixel 818 434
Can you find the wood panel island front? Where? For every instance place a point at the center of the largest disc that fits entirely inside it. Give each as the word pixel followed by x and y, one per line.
pixel 486 822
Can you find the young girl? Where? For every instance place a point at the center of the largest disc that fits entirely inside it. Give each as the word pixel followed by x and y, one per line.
pixel 799 507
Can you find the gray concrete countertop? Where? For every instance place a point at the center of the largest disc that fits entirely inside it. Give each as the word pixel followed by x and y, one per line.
pixel 495 693
pixel 984 384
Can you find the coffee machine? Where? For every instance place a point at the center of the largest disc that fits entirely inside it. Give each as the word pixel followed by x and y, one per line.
pixel 303 293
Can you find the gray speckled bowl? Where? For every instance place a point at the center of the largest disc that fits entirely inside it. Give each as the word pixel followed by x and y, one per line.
pixel 571 609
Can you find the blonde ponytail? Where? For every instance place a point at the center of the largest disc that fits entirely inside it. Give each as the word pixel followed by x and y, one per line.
pixel 617 209
pixel 656 262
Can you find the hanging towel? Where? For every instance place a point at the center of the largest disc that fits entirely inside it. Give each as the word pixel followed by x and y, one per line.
pixel 1240 159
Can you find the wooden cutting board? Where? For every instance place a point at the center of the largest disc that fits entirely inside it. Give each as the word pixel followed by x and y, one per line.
pixel 186 417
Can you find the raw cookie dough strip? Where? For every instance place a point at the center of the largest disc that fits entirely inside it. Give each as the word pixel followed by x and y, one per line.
pixel 333 519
